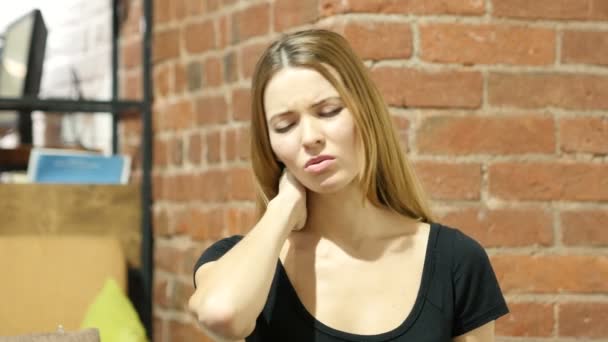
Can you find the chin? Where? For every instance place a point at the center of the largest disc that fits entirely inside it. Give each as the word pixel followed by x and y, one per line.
pixel 333 183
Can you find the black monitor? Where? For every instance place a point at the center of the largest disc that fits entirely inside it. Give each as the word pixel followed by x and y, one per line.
pixel 21 64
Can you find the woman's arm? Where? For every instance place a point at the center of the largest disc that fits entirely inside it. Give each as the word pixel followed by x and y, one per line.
pixel 231 292
pixel 484 333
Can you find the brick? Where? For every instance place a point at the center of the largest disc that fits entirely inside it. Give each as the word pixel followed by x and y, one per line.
pixel 161 80
pixel 503 227
pixel 124 84
pixel 160 153
pixel 159 328
pixel 180 80
pixel 460 7
pixel 549 181
pixel 585 227
pixel 161 294
pixel 211 110
pixel 170 259
pixel 527 320
pixel 134 152
pixel 214 149
pixel 130 54
pixel 585 274
pixel 213 75
pixel 179 115
pixel 402 125
pixel 414 88
pixel 159 109
pixel 223 25
pixel 176 151
pixel 250 22
pixel 379 40
pixel 196 7
pixel 231 139
pixel 497 134
pixel 551 9
pixel 450 181
pixel 289 13
pixel 583 320
pixel 199 37
pixel 131 86
pixel 131 126
pixel 179 331
pixel 158 188
pixel 240 220
pixel 241 104
pixel 170 188
pixel 181 221
pixel 195 148
pixel 569 91
pixel 179 10
pixel 586 47
pixel 487 44
pixel 584 134
pixel 212 185
pixel 243 144
pixel 249 56
pixel 166 45
pixel 181 294
pixel 161 223
pixel 194 75
pixel 132 24
pixel 230 70
pixel 207 224
pixel 178 188
pixel 187 187
pixel 162 12
pixel 241 184
pixel 212 5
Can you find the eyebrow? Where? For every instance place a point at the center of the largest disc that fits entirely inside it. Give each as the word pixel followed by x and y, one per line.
pixel 314 105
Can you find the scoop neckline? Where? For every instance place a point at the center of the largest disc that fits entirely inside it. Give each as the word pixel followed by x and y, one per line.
pixel 397 331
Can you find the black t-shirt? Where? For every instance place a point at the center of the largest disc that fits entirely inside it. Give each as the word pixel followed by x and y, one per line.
pixel 459 292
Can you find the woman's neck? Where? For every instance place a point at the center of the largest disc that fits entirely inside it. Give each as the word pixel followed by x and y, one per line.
pixel 348 218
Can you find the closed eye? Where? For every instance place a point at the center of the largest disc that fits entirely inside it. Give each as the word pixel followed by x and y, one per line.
pixel 332 112
pixel 284 129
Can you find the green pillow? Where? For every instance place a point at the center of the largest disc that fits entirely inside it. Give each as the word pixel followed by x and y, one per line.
pixel 113 314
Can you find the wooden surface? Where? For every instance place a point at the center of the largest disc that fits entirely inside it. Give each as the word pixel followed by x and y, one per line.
pixel 74 210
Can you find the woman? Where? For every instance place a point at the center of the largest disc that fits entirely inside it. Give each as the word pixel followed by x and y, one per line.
pixel 345 247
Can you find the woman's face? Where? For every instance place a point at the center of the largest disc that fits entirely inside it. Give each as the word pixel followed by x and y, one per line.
pixel 306 119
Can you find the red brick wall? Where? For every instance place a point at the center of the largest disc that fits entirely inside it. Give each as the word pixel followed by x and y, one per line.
pixel 501 103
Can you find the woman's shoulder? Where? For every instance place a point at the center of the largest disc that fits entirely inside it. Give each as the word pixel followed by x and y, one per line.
pixel 463 249
pixel 217 249
pixel 477 296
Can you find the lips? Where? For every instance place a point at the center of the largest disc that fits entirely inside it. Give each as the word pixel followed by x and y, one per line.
pixel 317 160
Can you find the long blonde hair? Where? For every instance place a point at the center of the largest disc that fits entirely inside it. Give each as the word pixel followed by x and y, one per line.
pixel 387 178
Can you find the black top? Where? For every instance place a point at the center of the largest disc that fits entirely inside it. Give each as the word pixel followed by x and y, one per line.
pixel 459 292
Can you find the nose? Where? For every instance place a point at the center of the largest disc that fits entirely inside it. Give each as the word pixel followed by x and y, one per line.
pixel 312 134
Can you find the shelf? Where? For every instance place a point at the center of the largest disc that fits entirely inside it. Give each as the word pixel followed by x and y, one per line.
pixel 61 105
pixel 14 159
pixel 141 277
